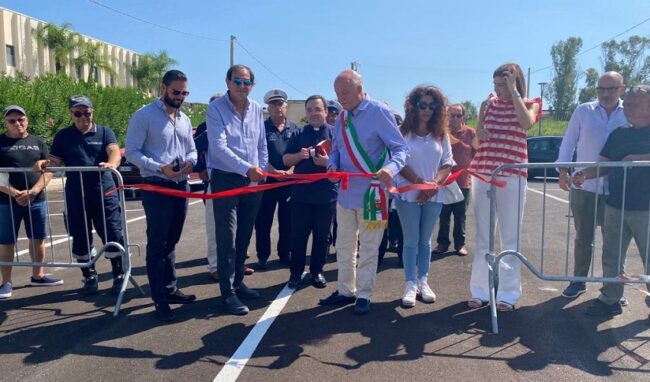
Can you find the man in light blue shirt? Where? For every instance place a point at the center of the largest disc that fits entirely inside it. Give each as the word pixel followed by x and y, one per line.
pixel 589 127
pixel 375 133
pixel 159 141
pixel 237 155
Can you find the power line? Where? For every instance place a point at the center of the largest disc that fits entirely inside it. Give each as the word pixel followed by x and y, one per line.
pixel 598 45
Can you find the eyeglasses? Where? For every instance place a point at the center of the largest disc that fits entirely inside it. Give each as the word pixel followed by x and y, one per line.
pixel 455 116
pixel 423 105
pixel 11 121
pixel 240 82
pixel 184 93
pixel 79 114
pixel 608 89
pixel 638 89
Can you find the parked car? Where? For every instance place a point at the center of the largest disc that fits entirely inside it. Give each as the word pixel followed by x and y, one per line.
pixel 543 150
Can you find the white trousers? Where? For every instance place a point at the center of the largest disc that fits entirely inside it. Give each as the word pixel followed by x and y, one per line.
pixel 356 279
pixel 510 210
pixel 211 235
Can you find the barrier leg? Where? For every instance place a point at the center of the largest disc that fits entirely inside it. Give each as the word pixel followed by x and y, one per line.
pixel 492 279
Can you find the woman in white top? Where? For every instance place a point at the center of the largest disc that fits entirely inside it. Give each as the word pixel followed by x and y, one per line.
pixel 430 161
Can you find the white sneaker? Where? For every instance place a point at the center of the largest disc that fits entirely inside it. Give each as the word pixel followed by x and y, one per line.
pixel 425 292
pixel 410 293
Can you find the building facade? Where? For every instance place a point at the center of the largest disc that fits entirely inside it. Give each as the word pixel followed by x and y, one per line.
pixel 21 52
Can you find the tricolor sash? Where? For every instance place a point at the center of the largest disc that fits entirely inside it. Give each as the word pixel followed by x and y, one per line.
pixel 375 203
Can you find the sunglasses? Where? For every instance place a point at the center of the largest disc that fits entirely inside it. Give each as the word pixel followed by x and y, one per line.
pixel 423 105
pixel 608 89
pixel 184 93
pixel 79 114
pixel 276 102
pixel 240 82
pixel 11 121
pixel 455 116
pixel 638 89
pixel 332 111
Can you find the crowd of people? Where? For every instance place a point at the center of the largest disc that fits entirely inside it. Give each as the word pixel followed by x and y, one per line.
pixel 355 135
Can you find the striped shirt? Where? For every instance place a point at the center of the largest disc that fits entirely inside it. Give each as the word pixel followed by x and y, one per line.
pixel 507 143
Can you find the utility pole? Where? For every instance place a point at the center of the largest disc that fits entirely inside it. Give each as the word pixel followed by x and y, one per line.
pixel 354 66
pixel 233 39
pixel 542 85
pixel 528 84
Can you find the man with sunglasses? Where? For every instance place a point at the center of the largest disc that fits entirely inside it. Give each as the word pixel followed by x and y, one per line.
pixel 22 197
pixel 589 126
pixel 159 141
pixel 279 130
pixel 333 110
pixel 87 144
pixel 627 209
pixel 237 157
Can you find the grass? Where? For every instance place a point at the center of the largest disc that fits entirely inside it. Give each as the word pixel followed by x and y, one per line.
pixel 549 127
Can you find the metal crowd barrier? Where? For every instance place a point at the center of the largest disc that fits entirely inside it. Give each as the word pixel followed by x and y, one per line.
pixel 54 258
pixel 542 271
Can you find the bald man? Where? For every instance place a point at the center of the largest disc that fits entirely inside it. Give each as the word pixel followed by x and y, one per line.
pixel 589 127
pixel 365 133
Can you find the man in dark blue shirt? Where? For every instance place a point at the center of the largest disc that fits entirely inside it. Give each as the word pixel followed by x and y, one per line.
pixel 312 204
pixel 84 143
pixel 278 132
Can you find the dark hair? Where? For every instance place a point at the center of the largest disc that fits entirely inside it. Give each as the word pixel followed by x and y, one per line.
pixel 515 69
pixel 460 105
pixel 237 67
pixel 317 96
pixel 173 75
pixel 437 125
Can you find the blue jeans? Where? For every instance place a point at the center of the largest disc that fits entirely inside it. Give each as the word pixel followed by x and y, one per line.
pixel 417 225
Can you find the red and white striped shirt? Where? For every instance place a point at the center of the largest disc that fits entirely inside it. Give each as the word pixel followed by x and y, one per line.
pixel 507 143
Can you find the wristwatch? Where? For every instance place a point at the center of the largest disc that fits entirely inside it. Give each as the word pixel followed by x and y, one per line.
pixel 32 193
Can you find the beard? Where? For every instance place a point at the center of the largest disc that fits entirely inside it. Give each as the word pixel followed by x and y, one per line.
pixel 172 102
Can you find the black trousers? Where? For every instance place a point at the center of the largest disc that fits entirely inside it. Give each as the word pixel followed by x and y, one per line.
pixel 459 211
pixel 264 222
pixel 165 219
pixel 84 211
pixel 234 218
pixel 309 218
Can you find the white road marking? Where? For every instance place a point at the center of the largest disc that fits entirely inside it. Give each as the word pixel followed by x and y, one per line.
pixel 547 195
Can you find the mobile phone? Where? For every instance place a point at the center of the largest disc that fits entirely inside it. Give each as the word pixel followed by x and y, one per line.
pixel 177 165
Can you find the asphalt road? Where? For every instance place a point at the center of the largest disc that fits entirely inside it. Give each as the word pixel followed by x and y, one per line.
pixel 55 334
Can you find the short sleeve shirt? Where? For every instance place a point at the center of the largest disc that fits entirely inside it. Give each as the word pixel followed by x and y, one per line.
pixel 77 149
pixel 276 142
pixel 21 152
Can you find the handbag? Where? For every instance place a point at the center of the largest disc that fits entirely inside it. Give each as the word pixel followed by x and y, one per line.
pixel 453 194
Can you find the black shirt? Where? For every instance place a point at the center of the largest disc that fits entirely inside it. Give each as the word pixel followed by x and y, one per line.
pixel 620 143
pixel 77 149
pixel 21 152
pixel 322 191
pixel 276 142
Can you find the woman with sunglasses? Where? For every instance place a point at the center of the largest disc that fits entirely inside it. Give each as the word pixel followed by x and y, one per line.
pixel 500 139
pixel 430 162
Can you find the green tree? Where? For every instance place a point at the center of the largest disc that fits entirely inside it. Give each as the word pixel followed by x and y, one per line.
pixel 150 69
pixel 562 89
pixel 61 40
pixel 471 112
pixel 629 58
pixel 92 55
pixel 588 93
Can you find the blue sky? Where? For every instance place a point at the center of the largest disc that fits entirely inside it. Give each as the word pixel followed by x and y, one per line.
pixel 454 45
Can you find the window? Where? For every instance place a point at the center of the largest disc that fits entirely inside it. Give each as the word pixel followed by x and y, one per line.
pixel 11 55
pixel 95 73
pixel 77 69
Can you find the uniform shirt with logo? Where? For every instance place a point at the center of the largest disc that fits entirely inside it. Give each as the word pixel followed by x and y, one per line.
pixel 21 152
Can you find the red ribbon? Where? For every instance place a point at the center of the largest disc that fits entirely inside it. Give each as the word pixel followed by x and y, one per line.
pixel 291 179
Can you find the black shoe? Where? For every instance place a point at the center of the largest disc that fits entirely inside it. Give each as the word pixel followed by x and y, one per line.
pixel 362 306
pixel 574 290
pixel 234 306
pixel 294 282
pixel 91 286
pixel 117 285
pixel 164 313
pixel 336 299
pixel 318 281
pixel 246 293
pixel 178 297
pixel 263 264
pixel 598 308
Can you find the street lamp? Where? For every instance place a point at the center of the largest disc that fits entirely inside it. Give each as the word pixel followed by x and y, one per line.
pixel 542 85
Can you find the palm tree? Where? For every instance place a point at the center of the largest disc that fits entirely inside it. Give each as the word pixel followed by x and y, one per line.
pixel 92 54
pixel 150 69
pixel 61 40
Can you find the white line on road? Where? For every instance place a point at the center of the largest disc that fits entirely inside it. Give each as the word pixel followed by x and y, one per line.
pixel 231 370
pixel 548 196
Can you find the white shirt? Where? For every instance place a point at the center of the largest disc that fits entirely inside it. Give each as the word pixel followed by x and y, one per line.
pixel 586 134
pixel 427 156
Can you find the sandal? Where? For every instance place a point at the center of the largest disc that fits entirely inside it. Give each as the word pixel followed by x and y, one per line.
pixel 503 306
pixel 476 303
